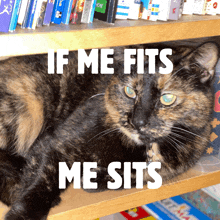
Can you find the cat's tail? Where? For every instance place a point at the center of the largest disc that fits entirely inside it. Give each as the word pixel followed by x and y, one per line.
pixel 10 176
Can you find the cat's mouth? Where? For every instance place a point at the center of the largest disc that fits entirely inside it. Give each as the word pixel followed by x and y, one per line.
pixel 146 135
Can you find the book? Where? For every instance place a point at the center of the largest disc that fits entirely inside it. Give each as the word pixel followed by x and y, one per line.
pixel 14 17
pixel 147 10
pixel 57 11
pixel 6 8
pixel 212 7
pixel 88 11
pixel 134 9
pixel 24 4
pixel 122 9
pixel 188 7
pixel 26 15
pixel 164 10
pixel 76 14
pixel 174 208
pixel 67 11
pixel 155 10
pixel 48 12
pixel 213 191
pixel 175 6
pixel 37 13
pixel 106 10
pixel 40 19
pixel 136 214
pixel 31 13
pixel 199 7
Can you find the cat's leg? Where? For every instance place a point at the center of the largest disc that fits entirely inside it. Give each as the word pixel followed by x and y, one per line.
pixel 38 191
pixel 11 167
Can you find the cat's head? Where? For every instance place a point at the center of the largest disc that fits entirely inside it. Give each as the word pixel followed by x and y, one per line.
pixel 161 108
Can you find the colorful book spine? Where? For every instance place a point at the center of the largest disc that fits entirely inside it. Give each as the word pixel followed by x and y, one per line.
pixel 173 209
pixel 122 9
pixel 164 10
pixel 147 11
pixel 59 11
pixel 14 17
pixel 37 13
pixel 77 12
pixel 48 12
pixel 56 3
pixel 155 10
pixel 134 9
pixel 212 7
pixel 174 9
pixel 40 19
pixel 23 8
pixel 106 10
pixel 6 8
pixel 88 11
pixel 31 13
pixel 67 11
pixel 26 15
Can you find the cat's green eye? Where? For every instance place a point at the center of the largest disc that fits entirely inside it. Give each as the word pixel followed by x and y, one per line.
pixel 130 92
pixel 167 99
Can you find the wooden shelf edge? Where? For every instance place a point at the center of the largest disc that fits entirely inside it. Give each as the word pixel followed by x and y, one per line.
pixel 105 35
pixel 139 198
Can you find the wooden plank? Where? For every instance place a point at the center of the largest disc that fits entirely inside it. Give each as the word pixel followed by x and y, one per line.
pixel 78 204
pixel 100 34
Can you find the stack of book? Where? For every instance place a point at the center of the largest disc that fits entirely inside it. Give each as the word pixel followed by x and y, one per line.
pixel 36 13
pixel 174 208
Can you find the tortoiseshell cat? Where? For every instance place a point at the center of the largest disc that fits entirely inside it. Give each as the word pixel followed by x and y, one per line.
pixel 46 119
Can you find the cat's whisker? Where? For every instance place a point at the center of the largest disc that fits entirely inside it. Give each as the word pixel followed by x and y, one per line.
pixel 103 133
pixel 97 95
pixel 109 132
pixel 169 138
pixel 181 129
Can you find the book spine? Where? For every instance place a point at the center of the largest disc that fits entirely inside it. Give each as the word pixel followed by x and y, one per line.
pixel 25 20
pixel 5 14
pixel 122 9
pixel 77 12
pixel 92 12
pixel 67 11
pixel 31 13
pixel 22 11
pixel 42 14
pixel 155 10
pixel 112 11
pixel 134 9
pixel 37 13
pixel 54 10
pixel 87 11
pixel 15 13
pixel 58 12
pixel 164 10
pixel 48 12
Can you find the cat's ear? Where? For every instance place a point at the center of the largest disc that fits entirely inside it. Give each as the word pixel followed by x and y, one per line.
pixel 205 57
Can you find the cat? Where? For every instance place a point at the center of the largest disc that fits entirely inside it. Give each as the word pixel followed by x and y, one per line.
pixel 50 118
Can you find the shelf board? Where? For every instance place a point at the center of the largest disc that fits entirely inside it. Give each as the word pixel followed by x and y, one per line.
pixel 78 204
pixel 100 34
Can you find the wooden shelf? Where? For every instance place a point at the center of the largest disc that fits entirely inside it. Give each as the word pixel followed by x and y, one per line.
pixel 78 204
pixel 100 34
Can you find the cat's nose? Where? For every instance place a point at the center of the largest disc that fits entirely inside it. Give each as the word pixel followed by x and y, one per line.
pixel 138 123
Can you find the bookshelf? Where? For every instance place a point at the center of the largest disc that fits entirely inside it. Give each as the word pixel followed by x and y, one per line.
pixel 100 34
pixel 78 204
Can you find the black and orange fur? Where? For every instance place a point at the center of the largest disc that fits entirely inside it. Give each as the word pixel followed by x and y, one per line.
pixel 45 119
